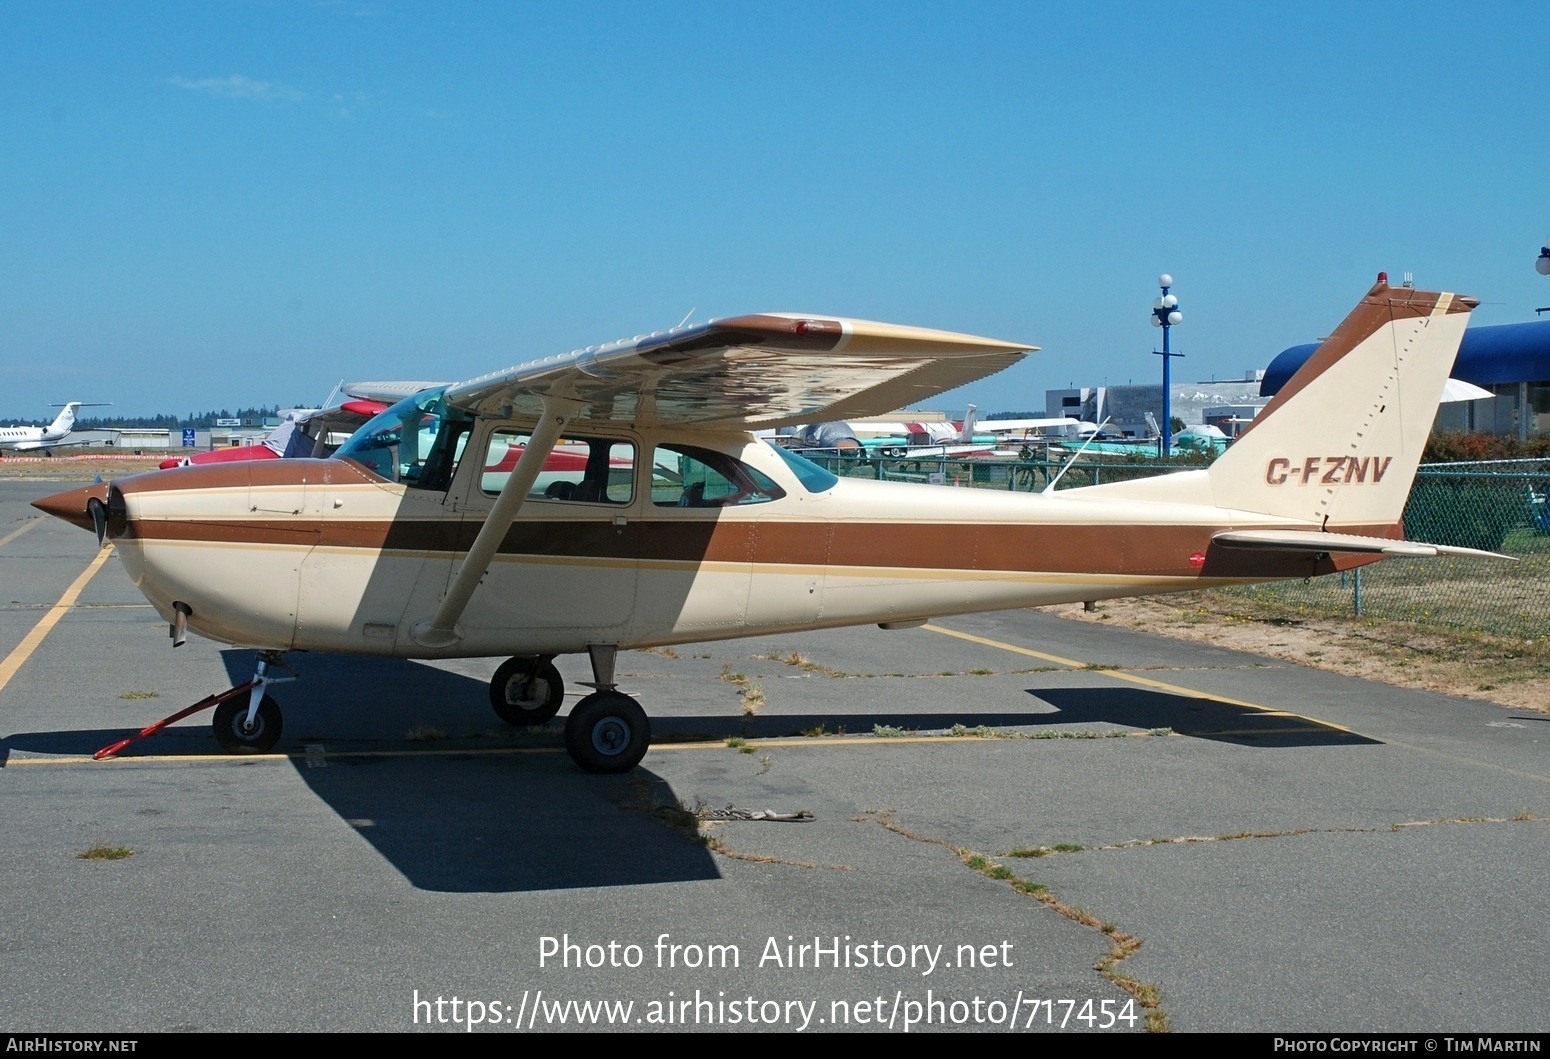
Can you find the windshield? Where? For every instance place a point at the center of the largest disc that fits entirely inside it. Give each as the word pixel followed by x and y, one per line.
pixel 813 477
pixel 416 442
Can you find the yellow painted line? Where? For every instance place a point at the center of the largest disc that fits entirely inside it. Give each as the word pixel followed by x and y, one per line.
pixel 9 537
pixel 1007 647
pixel 1132 678
pixel 248 759
pixel 836 739
pixel 1494 766
pixel 782 742
pixel 30 642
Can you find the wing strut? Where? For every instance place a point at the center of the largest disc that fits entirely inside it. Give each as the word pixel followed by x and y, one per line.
pixel 442 630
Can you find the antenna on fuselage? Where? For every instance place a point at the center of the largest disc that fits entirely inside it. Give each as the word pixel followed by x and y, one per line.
pixel 1090 439
pixel 686 318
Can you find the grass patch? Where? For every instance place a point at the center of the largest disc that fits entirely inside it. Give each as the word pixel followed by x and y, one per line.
pixel 802 662
pixel 982 731
pixel 888 731
pixel 819 731
pixel 101 851
pixel 141 695
pixel 750 696
pixel 1044 851
pixel 751 699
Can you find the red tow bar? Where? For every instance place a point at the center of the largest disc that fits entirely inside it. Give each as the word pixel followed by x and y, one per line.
pixel 202 704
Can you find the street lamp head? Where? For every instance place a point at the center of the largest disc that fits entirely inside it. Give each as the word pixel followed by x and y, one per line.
pixel 1175 317
pixel 1165 280
pixel 1542 266
pixel 1155 321
pixel 1168 301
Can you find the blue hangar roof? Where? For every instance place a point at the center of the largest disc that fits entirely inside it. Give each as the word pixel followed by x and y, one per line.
pixel 1496 354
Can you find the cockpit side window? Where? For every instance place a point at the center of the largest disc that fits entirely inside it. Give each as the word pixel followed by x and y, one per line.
pixel 579 470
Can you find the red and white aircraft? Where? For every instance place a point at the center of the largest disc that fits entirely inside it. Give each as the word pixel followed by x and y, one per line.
pixel 313 432
pixel 421 538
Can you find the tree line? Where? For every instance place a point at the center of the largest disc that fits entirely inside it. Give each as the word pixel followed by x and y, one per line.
pixel 197 420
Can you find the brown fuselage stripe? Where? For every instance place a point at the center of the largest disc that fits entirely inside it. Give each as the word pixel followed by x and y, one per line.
pixel 1158 551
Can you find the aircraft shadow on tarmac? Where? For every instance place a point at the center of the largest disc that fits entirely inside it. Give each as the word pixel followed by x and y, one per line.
pixel 404 763
pixel 409 770
pixel 454 819
pixel 1201 718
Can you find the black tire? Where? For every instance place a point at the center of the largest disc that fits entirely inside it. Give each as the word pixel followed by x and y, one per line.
pixel 523 698
pixel 234 738
pixel 607 732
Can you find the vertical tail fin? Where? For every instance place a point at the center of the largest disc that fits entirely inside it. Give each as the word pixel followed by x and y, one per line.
pixel 63 423
pixel 970 419
pixel 1341 441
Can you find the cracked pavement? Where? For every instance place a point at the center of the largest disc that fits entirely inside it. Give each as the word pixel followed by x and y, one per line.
pixel 1298 851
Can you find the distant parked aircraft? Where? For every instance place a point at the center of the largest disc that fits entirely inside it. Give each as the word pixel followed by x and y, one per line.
pixel 28 439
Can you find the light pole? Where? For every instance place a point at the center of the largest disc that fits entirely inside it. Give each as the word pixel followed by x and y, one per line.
pixel 1165 313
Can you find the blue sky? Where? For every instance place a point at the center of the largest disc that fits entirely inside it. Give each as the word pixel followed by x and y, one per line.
pixel 231 203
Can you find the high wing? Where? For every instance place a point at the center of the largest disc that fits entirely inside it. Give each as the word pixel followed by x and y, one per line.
pixel 767 370
pixel 386 392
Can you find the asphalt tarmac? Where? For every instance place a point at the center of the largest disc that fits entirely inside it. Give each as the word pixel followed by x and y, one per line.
pixel 1230 843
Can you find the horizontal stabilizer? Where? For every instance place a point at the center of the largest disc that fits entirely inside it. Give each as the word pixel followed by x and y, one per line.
pixel 1314 541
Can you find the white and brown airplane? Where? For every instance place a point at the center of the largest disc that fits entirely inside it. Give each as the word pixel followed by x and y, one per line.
pixel 671 523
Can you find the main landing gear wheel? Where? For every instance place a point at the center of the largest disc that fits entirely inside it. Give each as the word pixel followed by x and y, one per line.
pixel 231 731
pixel 526 695
pixel 607 732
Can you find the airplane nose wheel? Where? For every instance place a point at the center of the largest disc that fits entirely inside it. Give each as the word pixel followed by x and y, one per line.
pixel 236 736
pixel 526 692
pixel 607 732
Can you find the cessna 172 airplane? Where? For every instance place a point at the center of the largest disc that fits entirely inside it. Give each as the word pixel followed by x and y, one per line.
pixel 30 439
pixel 422 538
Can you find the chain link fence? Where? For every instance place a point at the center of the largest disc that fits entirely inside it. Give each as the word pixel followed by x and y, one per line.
pixel 1498 506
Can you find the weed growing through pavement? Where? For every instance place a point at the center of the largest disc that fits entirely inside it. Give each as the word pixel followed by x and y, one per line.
pixel 101 851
